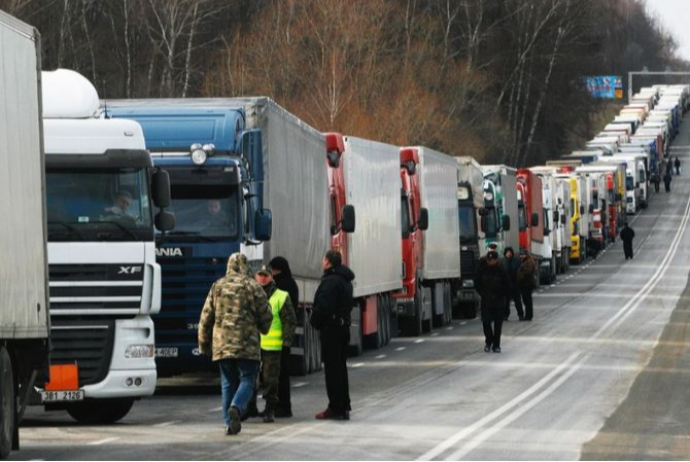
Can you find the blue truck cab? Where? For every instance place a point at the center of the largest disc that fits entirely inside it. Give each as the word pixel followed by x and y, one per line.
pixel 216 181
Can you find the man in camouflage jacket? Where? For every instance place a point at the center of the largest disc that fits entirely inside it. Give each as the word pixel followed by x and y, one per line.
pixel 235 312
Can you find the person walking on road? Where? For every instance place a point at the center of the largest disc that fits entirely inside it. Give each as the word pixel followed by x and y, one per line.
pixel 677 165
pixel 627 235
pixel 667 179
pixel 331 317
pixel 527 282
pixel 511 264
pixel 493 285
pixel 657 181
pixel 282 275
pixel 236 310
pixel 279 336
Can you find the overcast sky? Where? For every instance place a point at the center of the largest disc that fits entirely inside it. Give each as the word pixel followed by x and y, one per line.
pixel 675 15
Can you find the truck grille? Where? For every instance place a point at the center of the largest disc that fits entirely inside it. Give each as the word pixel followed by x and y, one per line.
pixel 89 344
pixel 110 289
pixel 186 283
pixel 467 263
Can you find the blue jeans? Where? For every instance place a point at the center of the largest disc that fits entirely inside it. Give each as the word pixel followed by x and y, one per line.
pixel 237 381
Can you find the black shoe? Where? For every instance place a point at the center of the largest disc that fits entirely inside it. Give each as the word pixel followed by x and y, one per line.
pixel 487 348
pixel 252 411
pixel 283 413
pixel 235 422
pixel 269 417
pixel 497 349
pixel 521 318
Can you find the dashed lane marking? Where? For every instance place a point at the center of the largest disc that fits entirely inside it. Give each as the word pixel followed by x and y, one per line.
pixel 435 334
pixel 357 365
pixel 463 323
pixel 167 424
pixel 380 356
pixel 400 348
pixel 103 441
pixel 299 384
pixel 420 340
pixel 450 328
pixel 216 409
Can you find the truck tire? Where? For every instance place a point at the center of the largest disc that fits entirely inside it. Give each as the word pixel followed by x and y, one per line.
pixel 8 402
pixel 412 325
pixel 102 411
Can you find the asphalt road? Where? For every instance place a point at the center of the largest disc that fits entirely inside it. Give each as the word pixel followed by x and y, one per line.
pixel 601 373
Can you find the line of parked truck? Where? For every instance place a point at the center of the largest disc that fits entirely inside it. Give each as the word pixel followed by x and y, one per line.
pixel 144 200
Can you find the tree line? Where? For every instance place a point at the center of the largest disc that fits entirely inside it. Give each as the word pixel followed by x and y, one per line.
pixel 501 80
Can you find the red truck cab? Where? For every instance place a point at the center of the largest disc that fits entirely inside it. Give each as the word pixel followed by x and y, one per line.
pixel 531 212
pixel 335 149
pixel 613 206
pixel 414 221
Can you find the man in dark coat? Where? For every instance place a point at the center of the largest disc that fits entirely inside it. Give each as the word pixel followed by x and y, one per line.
pixel 677 165
pixel 527 281
pixel 493 285
pixel 627 235
pixel 333 303
pixel 282 275
pixel 667 179
pixel 511 264
pixel 656 180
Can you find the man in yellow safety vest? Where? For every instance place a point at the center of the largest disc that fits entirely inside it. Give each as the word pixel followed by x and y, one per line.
pixel 278 337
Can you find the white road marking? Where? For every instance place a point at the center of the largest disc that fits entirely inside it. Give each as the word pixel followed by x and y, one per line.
pixel 435 334
pixel 400 348
pixel 419 340
pixel 380 356
pixel 103 441
pixel 463 323
pixel 450 328
pixel 357 365
pixel 299 384
pixel 216 409
pixel 167 424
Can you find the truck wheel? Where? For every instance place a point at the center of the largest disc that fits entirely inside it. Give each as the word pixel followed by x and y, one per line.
pixel 8 402
pixel 412 325
pixel 102 411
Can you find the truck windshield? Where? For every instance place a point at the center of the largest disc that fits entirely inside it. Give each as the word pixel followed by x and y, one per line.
pixel 522 217
pixel 468 224
pixel 629 183
pixel 98 205
pixel 204 212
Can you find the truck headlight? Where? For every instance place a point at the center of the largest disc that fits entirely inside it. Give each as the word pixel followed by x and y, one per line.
pixel 199 156
pixel 139 351
pixel 467 284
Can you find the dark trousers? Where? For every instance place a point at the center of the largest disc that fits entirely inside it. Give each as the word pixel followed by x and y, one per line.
pixel 492 321
pixel 628 250
pixel 284 401
pixel 514 295
pixel 667 185
pixel 270 377
pixel 527 301
pixel 334 342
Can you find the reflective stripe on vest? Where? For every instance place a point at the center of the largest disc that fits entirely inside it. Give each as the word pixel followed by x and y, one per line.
pixel 273 341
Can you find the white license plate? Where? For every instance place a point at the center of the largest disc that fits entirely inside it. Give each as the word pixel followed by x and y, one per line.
pixel 56 396
pixel 167 353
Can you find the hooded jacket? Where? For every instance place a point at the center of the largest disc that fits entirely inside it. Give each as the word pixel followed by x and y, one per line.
pixel 236 310
pixel 333 299
pixel 284 280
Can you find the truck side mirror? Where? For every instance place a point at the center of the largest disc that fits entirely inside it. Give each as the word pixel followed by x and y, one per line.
pixel 591 209
pixel 164 221
pixel 483 212
pixel 160 189
pixel 482 223
pixel 535 219
pixel 263 225
pixel 555 217
pixel 582 210
pixel 348 220
pixel 505 223
pixel 423 222
pixel 333 159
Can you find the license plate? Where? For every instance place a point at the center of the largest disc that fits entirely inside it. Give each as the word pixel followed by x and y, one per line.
pixel 167 353
pixel 56 396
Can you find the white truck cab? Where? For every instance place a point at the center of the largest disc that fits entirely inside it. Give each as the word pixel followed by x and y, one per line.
pixel 104 279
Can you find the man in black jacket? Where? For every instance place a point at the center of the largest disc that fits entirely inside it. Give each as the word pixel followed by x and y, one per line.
pixel 493 285
pixel 282 275
pixel 331 316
